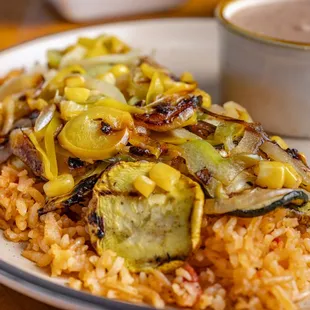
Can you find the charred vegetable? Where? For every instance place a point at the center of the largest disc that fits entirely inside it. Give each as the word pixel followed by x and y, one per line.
pixel 145 150
pixel 256 202
pixel 23 148
pixel 201 155
pixel 167 115
pixel 158 231
pixel 82 189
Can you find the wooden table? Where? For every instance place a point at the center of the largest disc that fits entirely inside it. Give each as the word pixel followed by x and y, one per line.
pixel 22 20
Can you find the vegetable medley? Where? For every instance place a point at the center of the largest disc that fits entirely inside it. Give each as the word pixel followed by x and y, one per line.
pixel 106 127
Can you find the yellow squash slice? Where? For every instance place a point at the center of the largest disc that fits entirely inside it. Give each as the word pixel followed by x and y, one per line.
pixel 158 231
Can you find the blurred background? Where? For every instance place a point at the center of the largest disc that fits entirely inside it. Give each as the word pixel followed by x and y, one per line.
pixel 22 20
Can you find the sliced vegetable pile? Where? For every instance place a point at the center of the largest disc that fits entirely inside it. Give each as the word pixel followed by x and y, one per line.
pixel 145 150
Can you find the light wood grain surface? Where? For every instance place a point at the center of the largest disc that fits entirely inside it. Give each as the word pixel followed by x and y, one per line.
pixel 22 20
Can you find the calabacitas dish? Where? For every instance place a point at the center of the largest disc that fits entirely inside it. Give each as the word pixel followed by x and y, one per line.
pixel 124 178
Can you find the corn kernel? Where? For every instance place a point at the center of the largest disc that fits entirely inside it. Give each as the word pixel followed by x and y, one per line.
pixel 77 94
pixel 144 185
pixel 97 50
pixel 87 42
pixel 292 178
pixel 74 81
pixel 37 104
pixel 165 176
pixel 271 174
pixel 107 77
pixel 187 77
pixel 59 186
pixel 280 141
pixel 119 70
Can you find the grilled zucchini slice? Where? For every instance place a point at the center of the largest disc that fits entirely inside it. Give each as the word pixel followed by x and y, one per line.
pixel 159 231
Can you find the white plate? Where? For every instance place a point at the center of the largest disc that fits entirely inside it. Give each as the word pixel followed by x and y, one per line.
pixel 88 10
pixel 182 45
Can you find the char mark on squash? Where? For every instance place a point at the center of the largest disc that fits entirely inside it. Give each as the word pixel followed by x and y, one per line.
pixel 139 151
pixel 82 189
pixel 105 128
pixel 75 163
pixel 97 222
pixel 78 196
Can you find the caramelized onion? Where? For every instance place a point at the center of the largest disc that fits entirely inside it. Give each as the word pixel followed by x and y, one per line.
pixel 166 116
pixel 44 117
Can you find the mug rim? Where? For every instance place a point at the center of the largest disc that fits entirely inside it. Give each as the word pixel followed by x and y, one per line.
pixel 220 15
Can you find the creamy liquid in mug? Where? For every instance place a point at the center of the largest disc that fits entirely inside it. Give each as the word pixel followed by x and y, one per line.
pixel 285 20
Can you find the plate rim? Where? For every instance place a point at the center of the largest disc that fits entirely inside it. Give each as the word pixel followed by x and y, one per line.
pixel 32 282
pixel 61 292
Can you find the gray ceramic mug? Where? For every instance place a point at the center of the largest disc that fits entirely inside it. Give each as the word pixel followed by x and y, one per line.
pixel 269 77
